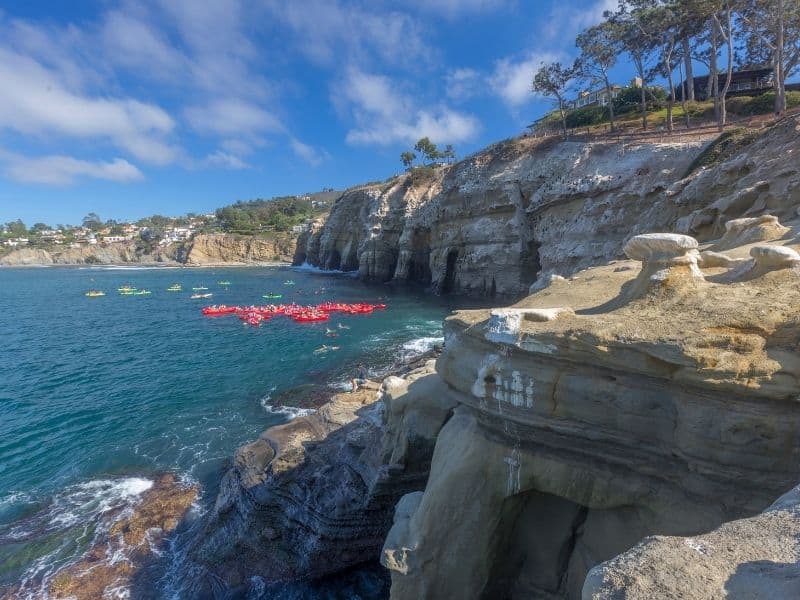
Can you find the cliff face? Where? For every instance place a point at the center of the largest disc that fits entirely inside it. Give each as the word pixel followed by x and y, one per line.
pixel 627 401
pixel 220 248
pixel 521 210
pixel 316 495
pixel 202 250
pixel 117 253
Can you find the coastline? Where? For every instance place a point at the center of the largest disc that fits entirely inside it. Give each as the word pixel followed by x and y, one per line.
pixel 220 265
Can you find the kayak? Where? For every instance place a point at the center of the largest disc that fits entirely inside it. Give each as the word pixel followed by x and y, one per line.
pixel 199 288
pixel 272 296
pixel 223 283
pixel 218 310
pixel 196 296
pixel 175 288
pixel 141 293
pixel 126 288
pixel 288 282
pixel 94 294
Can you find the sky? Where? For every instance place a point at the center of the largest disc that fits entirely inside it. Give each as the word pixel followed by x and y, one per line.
pixel 129 109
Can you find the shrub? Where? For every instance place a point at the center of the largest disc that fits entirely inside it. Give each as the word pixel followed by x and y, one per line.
pixel 629 99
pixel 762 104
pixel 586 116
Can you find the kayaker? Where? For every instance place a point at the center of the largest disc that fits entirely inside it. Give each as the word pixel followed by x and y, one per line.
pixel 361 376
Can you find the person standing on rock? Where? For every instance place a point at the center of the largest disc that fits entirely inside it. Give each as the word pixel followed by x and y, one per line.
pixel 361 376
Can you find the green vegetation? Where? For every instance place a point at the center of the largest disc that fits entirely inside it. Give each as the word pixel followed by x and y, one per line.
pixel 429 151
pixel 746 106
pixel 276 214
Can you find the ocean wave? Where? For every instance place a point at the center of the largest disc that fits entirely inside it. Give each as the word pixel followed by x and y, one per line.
pixel 292 412
pixel 77 516
pixel 420 346
pixel 309 268
pixel 289 411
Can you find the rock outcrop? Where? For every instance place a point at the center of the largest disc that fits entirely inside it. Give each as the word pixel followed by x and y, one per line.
pixel 521 210
pixel 660 402
pixel 317 495
pixel 97 254
pixel 224 249
pixel 750 558
pixel 212 249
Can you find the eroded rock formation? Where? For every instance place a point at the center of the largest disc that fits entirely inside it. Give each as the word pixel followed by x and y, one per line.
pixel 317 495
pixel 660 402
pixel 521 210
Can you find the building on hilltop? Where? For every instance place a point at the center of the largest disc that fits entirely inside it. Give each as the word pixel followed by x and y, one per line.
pixel 596 97
pixel 745 82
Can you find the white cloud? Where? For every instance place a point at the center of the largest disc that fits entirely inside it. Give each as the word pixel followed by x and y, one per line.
pixel 462 84
pixel 34 101
pixel 453 8
pixel 384 115
pixel 130 42
pixel 332 31
pixel 64 170
pixel 231 117
pixel 308 153
pixel 225 160
pixel 512 79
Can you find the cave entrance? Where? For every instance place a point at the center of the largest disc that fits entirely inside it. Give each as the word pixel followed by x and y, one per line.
pixel 449 281
pixel 334 260
pixel 544 545
pixel 530 262
pixel 419 268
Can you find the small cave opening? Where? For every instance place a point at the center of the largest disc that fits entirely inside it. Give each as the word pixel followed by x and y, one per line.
pixel 419 268
pixel 350 262
pixel 449 281
pixel 334 261
pixel 530 262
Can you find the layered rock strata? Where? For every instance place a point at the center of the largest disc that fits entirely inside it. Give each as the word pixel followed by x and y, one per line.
pixel 749 558
pixel 316 495
pixel 623 402
pixel 519 211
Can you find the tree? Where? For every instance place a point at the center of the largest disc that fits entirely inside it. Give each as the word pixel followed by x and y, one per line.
pixel 428 149
pixel 92 221
pixel 407 158
pixel 17 228
pixel 629 37
pixel 449 153
pixel 553 79
pixel 772 32
pixel 597 58
pixel 38 227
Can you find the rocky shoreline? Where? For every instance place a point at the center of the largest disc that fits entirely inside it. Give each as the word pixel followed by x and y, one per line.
pixel 643 390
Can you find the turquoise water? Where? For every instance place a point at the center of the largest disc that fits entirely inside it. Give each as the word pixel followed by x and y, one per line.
pixel 99 394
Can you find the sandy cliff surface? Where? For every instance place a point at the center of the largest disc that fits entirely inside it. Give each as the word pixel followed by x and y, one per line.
pixel 202 250
pixel 523 209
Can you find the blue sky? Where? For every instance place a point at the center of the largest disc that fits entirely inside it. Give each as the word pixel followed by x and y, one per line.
pixel 172 106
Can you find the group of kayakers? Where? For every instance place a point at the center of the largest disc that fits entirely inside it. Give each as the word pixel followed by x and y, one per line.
pixel 255 315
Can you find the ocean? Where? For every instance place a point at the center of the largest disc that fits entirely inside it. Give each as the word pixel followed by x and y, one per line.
pixel 100 395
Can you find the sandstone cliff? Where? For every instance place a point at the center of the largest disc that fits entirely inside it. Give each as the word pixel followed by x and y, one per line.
pixel 523 209
pixel 640 398
pixel 220 248
pixel 201 250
